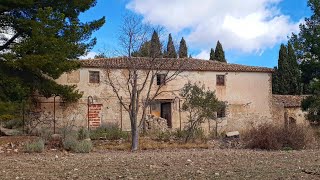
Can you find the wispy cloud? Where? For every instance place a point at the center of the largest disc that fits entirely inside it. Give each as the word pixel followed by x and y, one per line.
pixel 249 26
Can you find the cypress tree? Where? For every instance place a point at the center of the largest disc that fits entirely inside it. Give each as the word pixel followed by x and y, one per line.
pixel 171 50
pixel 294 72
pixel 275 81
pixel 155 46
pixel 144 50
pixel 282 74
pixel 212 54
pixel 219 53
pixel 183 49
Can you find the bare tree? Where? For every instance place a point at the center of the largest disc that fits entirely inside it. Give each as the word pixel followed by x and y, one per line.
pixel 138 83
pixel 137 80
pixel 132 33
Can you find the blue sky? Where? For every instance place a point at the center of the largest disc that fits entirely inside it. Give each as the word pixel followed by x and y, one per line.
pixel 250 31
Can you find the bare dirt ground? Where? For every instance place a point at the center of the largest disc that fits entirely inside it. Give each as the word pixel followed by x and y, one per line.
pixel 164 164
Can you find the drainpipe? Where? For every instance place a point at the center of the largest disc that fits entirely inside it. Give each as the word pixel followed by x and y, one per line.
pixel 89 102
pixel 54 114
pixel 179 112
pixel 121 113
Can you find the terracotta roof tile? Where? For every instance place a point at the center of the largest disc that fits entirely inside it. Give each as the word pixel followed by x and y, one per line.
pixel 289 100
pixel 171 64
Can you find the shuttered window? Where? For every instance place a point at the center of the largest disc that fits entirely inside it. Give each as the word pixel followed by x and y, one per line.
pixel 94 77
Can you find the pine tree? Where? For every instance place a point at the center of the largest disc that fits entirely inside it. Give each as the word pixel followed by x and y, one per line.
pixel 48 36
pixel 307 49
pixel 155 46
pixel 183 49
pixel 171 50
pixel 212 54
pixel 219 53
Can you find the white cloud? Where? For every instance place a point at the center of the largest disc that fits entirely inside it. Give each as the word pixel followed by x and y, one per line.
pixel 203 55
pixel 90 55
pixel 249 26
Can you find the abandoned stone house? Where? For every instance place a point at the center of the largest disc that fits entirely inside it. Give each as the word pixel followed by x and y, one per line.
pixel 246 90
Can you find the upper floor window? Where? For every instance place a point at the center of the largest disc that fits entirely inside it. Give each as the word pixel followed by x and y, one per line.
pixel 94 77
pixel 220 80
pixel 161 79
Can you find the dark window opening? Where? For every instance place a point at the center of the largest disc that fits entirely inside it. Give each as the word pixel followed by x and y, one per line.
pixel 221 112
pixel 161 79
pixel 220 80
pixel 94 77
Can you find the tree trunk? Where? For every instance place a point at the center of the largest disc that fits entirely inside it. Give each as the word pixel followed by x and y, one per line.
pixel 216 130
pixel 134 136
pixel 134 115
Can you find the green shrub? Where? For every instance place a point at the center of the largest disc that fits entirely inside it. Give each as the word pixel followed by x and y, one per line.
pixel 13 124
pixel 110 131
pixel 36 146
pixel 83 147
pixel 271 137
pixel 70 143
pixel 163 136
pixel 83 134
pixel 180 134
pixel 73 145
pixel 6 117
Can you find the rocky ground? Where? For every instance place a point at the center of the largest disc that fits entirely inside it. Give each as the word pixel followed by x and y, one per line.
pixel 164 164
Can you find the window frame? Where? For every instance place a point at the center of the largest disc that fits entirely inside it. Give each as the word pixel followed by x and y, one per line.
pixel 221 113
pixel 161 79
pixel 220 80
pixel 94 77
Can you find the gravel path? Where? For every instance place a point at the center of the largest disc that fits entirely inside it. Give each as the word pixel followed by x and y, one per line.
pixel 176 164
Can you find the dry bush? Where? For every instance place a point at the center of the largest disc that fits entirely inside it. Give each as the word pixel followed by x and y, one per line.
pixel 271 137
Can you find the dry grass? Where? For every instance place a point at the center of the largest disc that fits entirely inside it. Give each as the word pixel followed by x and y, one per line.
pixel 149 144
pixel 271 137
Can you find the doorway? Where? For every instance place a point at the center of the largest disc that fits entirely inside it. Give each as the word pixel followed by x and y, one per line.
pixel 166 113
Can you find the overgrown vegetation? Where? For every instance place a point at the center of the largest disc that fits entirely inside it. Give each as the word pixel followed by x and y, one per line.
pixel 109 131
pixel 272 137
pixel 78 146
pixel 79 142
pixel 34 146
pixel 200 105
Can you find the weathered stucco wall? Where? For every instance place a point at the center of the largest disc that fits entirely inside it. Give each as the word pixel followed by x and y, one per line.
pixel 247 95
pixel 283 116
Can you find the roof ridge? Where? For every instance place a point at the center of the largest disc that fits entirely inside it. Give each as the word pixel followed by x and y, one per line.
pixel 188 63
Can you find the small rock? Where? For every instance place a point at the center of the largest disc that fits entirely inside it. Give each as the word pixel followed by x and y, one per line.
pixel 15 150
pixel 189 160
pixel 199 172
pixel 166 164
pixel 217 174
pixel 56 137
pixel 56 156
